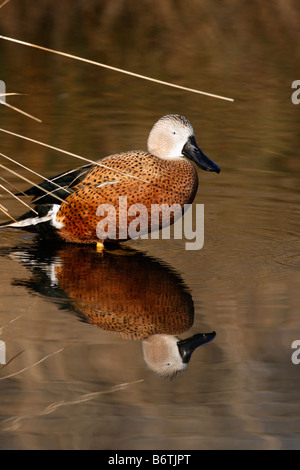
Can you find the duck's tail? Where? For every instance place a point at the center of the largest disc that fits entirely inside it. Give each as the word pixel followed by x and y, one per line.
pixel 36 220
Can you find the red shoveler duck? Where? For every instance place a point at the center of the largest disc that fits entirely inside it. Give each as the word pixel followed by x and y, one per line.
pixel 67 205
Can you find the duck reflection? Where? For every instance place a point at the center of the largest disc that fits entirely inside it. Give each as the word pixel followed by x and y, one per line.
pixel 123 291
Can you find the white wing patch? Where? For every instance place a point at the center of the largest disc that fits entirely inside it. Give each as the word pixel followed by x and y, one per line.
pixel 107 182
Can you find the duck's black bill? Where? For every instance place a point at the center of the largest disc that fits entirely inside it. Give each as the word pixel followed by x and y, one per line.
pixel 187 346
pixel 192 151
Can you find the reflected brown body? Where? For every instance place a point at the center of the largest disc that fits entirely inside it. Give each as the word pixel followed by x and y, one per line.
pixel 133 295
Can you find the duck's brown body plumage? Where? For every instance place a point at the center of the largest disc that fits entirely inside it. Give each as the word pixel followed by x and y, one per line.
pixel 160 182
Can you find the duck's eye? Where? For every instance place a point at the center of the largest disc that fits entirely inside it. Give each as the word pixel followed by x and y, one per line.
pixel 174 133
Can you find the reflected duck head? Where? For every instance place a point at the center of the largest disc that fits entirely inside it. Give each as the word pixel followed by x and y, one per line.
pixel 168 355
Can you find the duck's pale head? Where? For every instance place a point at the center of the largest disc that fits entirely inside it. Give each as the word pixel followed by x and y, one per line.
pixel 172 136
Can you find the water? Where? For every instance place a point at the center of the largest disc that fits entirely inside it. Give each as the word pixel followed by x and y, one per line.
pixel 74 322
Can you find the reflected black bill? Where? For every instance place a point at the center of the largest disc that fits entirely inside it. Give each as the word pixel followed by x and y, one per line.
pixel 187 346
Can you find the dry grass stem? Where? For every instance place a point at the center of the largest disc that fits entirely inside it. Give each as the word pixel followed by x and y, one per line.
pixel 13 423
pixel 3 209
pixel 71 154
pixel 86 397
pixel 30 182
pixel 32 365
pixel 35 173
pixel 9 323
pixel 12 359
pixel 20 111
pixel 4 3
pixel 38 174
pixel 10 94
pixel 115 69
pixel 18 199
pixel 12 185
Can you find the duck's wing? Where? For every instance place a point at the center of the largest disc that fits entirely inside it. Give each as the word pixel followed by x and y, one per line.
pixel 57 187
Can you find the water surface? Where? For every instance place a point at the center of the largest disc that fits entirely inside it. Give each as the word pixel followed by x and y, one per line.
pixel 74 324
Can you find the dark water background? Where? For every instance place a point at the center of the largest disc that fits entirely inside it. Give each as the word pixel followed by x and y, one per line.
pixel 93 389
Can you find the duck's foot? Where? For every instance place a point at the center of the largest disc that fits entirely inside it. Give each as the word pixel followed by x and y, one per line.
pixel 99 247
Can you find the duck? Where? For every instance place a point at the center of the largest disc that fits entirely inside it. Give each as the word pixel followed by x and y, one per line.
pixel 84 205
